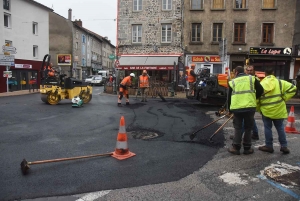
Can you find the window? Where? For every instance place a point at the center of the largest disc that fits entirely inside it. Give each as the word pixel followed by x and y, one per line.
pixel 76 45
pixel 83 38
pixel 196 33
pixel 166 31
pixel 6 4
pixel 241 4
pixel 136 33
pixel 137 5
pixel 218 4
pixel 35 51
pixel 83 49
pixel 196 4
pixel 7 20
pixel 268 3
pixel 83 61
pixel 35 28
pixel 239 33
pixel 267 33
pixel 166 4
pixel 217 32
pixel 76 34
pixel 8 43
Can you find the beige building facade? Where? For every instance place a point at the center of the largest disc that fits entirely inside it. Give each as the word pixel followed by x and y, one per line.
pixel 257 32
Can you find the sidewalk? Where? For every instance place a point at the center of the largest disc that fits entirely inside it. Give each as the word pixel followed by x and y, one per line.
pixel 18 93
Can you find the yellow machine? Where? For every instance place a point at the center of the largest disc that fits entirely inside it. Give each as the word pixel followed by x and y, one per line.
pixel 53 89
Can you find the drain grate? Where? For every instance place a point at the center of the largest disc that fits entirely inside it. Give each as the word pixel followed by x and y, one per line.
pixel 143 135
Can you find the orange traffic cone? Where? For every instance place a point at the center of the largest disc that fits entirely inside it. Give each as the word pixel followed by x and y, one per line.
pixel 122 152
pixel 290 126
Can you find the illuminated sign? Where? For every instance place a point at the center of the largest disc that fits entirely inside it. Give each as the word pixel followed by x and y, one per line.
pixel 64 59
pixel 206 59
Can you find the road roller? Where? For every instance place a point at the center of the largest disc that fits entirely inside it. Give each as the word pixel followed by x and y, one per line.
pixel 55 86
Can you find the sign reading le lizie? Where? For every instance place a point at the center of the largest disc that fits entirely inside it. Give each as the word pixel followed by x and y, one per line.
pixel 287 51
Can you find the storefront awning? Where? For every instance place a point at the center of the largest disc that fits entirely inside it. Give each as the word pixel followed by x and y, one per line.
pixel 147 62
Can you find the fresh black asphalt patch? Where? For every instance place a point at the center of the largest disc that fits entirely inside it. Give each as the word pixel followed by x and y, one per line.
pixel 35 131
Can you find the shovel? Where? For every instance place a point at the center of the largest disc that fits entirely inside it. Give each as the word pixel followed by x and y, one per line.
pixel 193 135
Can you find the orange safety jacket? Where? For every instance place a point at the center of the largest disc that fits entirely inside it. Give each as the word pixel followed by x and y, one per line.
pixel 50 71
pixel 111 79
pixel 190 77
pixel 126 81
pixel 144 81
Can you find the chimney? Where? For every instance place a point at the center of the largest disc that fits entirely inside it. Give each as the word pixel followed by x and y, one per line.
pixel 79 22
pixel 70 14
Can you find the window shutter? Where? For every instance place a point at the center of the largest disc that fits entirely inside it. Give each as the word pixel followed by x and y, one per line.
pixel 269 4
pixel 218 4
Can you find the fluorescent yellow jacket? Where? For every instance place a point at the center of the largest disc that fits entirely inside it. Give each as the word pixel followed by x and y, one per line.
pixel 243 93
pixel 277 92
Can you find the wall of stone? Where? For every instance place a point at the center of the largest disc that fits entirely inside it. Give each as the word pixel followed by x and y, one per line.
pixel 151 17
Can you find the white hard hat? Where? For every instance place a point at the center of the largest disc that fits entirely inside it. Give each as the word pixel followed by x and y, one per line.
pixel 132 74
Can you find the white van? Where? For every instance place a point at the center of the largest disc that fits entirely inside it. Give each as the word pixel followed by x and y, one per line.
pixel 103 73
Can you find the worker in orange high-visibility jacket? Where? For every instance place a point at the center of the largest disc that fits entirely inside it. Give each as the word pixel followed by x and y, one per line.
pixel 126 82
pixel 191 75
pixel 144 85
pixel 51 71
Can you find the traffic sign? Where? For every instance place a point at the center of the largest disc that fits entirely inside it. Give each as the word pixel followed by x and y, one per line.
pixel 10 58
pixel 7 74
pixel 111 57
pixel 7 60
pixel 9 49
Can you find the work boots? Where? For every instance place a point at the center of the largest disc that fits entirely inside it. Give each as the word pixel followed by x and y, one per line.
pixel 235 149
pixel 284 150
pixel 247 149
pixel 266 149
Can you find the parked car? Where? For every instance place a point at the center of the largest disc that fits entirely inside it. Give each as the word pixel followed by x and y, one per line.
pixel 89 79
pixel 97 80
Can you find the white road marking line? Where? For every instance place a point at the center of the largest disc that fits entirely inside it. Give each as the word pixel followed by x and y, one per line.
pixel 93 196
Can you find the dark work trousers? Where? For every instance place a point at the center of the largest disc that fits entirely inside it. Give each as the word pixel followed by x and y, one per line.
pixel 238 118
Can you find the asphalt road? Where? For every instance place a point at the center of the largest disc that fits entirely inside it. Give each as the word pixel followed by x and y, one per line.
pixel 157 133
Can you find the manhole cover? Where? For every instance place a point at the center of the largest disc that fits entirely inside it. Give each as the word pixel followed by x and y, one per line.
pixel 143 135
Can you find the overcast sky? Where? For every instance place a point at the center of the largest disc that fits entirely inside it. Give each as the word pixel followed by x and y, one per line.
pixel 96 15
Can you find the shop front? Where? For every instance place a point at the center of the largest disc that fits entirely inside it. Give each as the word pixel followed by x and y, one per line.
pixel 160 68
pixel 25 76
pixel 212 62
pixel 278 58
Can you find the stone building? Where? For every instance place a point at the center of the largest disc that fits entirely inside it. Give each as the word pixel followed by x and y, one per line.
pixel 108 49
pixel 260 32
pixel 60 41
pixel 149 37
pixel 296 41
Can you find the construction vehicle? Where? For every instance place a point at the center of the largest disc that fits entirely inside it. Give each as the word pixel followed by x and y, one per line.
pixel 213 88
pixel 210 88
pixel 53 89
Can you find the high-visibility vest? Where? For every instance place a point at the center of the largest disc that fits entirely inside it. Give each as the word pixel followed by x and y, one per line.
pixel 126 81
pixel 243 92
pixel 144 81
pixel 277 92
pixel 190 77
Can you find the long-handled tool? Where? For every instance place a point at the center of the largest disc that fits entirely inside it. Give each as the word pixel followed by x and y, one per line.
pixel 211 137
pixel 25 164
pixel 193 135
